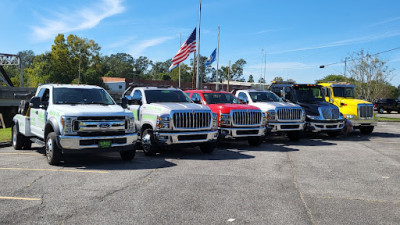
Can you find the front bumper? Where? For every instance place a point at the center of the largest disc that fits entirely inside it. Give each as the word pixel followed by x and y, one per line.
pixel 320 126
pixel 366 122
pixel 284 126
pixel 164 138
pixel 92 142
pixel 235 132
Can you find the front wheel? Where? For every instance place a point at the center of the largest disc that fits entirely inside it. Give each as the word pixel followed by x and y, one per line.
pixel 294 135
pixel 380 110
pixel 388 111
pixel 149 144
pixel 367 130
pixel 208 147
pixel 255 141
pixel 53 152
pixel 17 138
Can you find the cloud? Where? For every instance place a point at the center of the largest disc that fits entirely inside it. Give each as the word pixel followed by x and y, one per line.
pixel 384 22
pixel 268 31
pixel 343 42
pixel 82 19
pixel 138 49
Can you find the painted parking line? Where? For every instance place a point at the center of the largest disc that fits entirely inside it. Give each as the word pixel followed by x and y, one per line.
pixel 19 153
pixel 20 198
pixel 57 170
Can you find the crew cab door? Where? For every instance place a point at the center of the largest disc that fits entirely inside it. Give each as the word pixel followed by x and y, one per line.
pixel 135 106
pixel 38 114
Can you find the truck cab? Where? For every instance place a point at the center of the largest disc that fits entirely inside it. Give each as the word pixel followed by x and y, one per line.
pixel 167 117
pixel 359 112
pixel 74 119
pixel 236 120
pixel 282 117
pixel 321 116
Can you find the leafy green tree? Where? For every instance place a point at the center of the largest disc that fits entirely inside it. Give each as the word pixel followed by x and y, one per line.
pixel 118 65
pixel 277 79
pixel 40 71
pixel 333 77
pixel 237 70
pixel 141 67
pixel 251 79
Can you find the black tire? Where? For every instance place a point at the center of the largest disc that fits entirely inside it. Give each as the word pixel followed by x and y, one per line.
pixel 53 152
pixel 255 141
pixel 149 144
pixel 208 147
pixel 129 153
pixel 17 138
pixel 27 144
pixel 380 110
pixel 294 135
pixel 367 130
pixel 333 133
pixel 388 111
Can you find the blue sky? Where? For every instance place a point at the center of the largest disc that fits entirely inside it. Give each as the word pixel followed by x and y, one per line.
pixel 297 36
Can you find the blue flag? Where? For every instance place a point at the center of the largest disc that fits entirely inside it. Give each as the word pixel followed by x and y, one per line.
pixel 211 59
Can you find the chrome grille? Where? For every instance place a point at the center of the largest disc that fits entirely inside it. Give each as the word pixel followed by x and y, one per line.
pixel 365 111
pixel 244 117
pixel 94 124
pixel 191 119
pixel 329 113
pixel 289 114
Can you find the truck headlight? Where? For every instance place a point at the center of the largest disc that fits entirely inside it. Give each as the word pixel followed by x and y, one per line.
pixel 270 115
pixel 67 125
pixel 225 119
pixel 130 124
pixel 264 119
pixel 214 121
pixel 304 115
pixel 314 117
pixel 163 121
pixel 349 116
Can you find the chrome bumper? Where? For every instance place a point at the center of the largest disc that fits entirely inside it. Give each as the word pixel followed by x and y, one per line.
pixel 317 127
pixel 361 122
pixel 185 137
pixel 282 126
pixel 77 142
pixel 234 132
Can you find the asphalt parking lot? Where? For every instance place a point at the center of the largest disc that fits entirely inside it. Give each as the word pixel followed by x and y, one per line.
pixel 319 180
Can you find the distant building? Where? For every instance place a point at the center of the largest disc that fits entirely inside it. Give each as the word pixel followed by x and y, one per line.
pixel 115 84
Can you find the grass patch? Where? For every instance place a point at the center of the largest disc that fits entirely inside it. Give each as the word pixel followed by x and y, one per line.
pixel 387 119
pixel 5 134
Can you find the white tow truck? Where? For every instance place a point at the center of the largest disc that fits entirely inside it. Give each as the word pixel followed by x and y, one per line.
pixel 74 119
pixel 166 116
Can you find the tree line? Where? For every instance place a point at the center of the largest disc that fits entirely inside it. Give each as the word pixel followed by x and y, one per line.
pixel 78 60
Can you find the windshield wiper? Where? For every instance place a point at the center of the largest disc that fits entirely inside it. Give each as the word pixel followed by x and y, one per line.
pixel 97 103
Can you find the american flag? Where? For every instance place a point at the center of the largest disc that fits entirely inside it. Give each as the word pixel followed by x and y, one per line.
pixel 188 47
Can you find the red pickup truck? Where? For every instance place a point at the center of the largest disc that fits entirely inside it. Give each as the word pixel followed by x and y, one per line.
pixel 235 120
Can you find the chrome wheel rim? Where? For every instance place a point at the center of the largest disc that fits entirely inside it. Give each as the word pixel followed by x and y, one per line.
pixel 49 148
pixel 14 139
pixel 146 142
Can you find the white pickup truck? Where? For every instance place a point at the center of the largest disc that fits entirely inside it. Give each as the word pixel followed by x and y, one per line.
pixel 282 117
pixel 74 119
pixel 166 116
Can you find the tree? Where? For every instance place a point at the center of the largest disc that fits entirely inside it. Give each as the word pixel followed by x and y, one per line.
pixel 371 75
pixel 141 67
pixel 332 77
pixel 237 70
pixel 278 79
pixel 14 71
pixel 40 71
pixel 118 65
pixel 261 80
pixel 251 79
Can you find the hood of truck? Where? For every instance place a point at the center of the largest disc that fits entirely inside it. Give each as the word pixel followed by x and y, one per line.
pixel 227 108
pixel 350 107
pixel 91 110
pixel 265 106
pixel 312 108
pixel 167 107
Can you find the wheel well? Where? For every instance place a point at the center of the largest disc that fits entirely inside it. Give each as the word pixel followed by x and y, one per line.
pixel 49 128
pixel 144 127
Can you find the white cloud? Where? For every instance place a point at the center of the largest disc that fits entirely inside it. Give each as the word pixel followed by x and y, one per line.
pixel 385 22
pixel 138 49
pixel 83 19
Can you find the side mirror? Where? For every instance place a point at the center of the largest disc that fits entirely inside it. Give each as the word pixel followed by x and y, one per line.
pixel 34 102
pixel 243 100
pixel 196 100
pixel 124 102
pixel 138 101
pixel 283 96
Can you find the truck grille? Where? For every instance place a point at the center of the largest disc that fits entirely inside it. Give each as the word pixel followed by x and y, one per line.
pixel 99 124
pixel 290 114
pixel 191 119
pixel 329 113
pixel 365 111
pixel 244 117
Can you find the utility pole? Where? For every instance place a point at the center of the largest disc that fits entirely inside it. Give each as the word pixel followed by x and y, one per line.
pixel 345 65
pixel 229 70
pixel 198 53
pixel 180 43
pixel 21 71
pixel 216 75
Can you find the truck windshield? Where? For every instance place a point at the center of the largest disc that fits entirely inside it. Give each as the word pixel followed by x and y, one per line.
pixel 264 97
pixel 153 96
pixel 81 96
pixel 219 98
pixel 309 94
pixel 344 92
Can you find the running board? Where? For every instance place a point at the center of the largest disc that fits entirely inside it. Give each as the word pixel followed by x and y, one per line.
pixel 38 141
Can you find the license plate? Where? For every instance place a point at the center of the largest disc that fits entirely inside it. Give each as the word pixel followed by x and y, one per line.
pixel 104 144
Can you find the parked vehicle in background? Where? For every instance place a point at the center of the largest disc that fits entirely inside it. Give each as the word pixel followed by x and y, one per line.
pixel 321 116
pixel 282 117
pixel 166 116
pixel 74 119
pixel 387 104
pixel 236 120
pixel 278 86
pixel 359 112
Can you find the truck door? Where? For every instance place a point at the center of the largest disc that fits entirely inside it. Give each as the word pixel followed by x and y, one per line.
pixel 135 107
pixel 38 115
